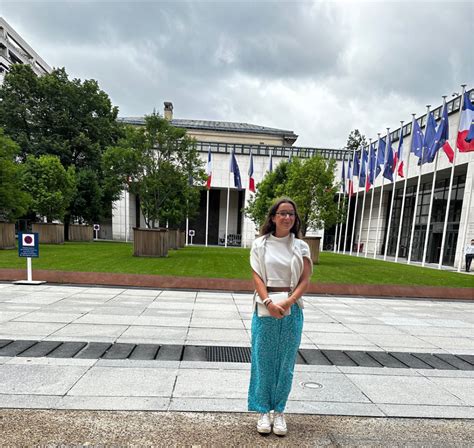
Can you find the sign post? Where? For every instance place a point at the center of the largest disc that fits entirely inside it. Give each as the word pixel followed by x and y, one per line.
pixel 28 247
pixel 191 234
pixel 96 231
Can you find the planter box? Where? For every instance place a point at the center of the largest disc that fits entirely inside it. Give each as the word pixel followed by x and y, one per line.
pixel 49 233
pixel 150 242
pixel 78 232
pixel 7 235
pixel 314 243
pixel 182 238
pixel 173 238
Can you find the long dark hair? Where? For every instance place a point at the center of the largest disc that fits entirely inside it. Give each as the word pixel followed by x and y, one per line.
pixel 269 226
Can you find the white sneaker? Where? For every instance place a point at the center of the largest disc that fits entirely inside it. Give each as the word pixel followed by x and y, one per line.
pixel 264 425
pixel 279 424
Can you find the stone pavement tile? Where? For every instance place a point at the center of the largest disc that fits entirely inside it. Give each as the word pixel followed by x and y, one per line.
pixel 425 411
pixel 5 359
pixel 162 321
pixel 13 401
pixel 167 313
pixel 214 365
pixel 463 388
pixel 125 382
pixel 145 292
pixel 375 329
pixel 383 371
pixel 454 323
pixel 5 316
pixel 39 379
pixel 449 342
pixel 335 387
pixel 138 364
pixel 38 316
pixel 171 305
pixel 189 404
pixel 216 334
pixel 74 362
pixel 326 327
pixel 208 314
pixel 333 408
pixel 214 307
pixel 403 390
pixel 221 384
pixel 113 403
pixel 118 310
pixel 446 373
pixel 35 300
pixel 316 369
pixel 86 331
pixel 365 347
pixel 92 338
pixel 211 342
pixel 9 330
pixel 217 323
pixel 399 340
pixel 105 319
pixel 321 338
pixel 427 331
pixel 169 335
pixel 401 321
pixel 178 294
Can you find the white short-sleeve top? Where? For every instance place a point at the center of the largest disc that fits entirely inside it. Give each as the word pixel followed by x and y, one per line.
pixel 278 256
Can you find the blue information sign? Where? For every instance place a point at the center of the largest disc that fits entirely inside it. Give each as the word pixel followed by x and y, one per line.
pixel 28 245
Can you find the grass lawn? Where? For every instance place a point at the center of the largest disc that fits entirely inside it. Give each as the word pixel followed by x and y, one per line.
pixel 219 262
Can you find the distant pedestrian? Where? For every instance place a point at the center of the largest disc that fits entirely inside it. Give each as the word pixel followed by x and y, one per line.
pixel 469 252
pixel 281 265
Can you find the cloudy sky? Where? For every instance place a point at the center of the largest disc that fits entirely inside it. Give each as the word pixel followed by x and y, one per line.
pixel 320 69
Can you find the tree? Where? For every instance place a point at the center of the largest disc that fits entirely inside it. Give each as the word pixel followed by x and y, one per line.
pixel 14 200
pixel 309 182
pixel 71 119
pixel 355 141
pixel 157 163
pixel 50 185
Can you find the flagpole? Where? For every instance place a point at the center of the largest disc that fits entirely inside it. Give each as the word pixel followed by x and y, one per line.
pixel 377 230
pixel 207 215
pixel 430 209
pixel 344 206
pixel 349 202
pixel 372 197
pixel 393 198
pixel 446 216
pixel 228 200
pixel 402 211
pixel 337 225
pixel 355 208
pixel 363 200
pixel 410 249
pixel 463 241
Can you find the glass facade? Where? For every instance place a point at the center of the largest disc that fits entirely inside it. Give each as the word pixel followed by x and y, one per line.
pixel 437 220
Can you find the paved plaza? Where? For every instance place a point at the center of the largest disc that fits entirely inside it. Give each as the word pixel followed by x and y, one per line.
pixel 193 318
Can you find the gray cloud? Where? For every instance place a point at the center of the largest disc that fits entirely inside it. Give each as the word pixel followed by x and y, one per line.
pixel 318 68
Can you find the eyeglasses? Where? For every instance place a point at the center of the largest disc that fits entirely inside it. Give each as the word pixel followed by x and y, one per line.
pixel 286 214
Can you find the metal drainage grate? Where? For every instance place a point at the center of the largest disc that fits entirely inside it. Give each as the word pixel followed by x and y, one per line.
pixel 228 354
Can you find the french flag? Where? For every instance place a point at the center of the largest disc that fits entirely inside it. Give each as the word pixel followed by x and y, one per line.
pixel 349 178
pixel 465 140
pixel 209 169
pixel 399 155
pixel 251 179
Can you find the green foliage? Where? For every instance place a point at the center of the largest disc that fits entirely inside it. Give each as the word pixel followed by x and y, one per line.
pixel 71 119
pixel 311 185
pixel 355 141
pixel 50 186
pixel 157 163
pixel 14 200
pixel 309 182
pixel 271 187
pixel 86 205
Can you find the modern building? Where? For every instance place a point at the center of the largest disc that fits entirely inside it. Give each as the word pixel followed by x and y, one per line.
pixel 14 50
pixel 221 138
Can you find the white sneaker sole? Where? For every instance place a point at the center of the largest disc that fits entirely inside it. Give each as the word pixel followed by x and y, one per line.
pixel 279 432
pixel 261 430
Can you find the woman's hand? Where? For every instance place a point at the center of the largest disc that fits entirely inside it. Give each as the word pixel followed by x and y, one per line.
pixel 276 311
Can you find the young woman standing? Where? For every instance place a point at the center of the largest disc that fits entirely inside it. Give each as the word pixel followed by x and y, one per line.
pixel 281 263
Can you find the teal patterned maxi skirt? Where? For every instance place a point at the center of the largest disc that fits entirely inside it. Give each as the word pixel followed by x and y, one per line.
pixel 275 344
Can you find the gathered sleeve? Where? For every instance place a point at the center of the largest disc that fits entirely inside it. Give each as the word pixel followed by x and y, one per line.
pixel 306 253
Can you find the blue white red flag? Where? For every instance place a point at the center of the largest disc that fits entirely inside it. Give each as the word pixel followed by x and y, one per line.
pixel 251 179
pixel 371 171
pixel 399 155
pixel 343 177
pixel 363 168
pixel 356 165
pixel 417 139
pixel 209 169
pixel 349 178
pixel 430 133
pixel 234 168
pixel 465 139
pixel 441 139
pixel 388 168
pixel 380 157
